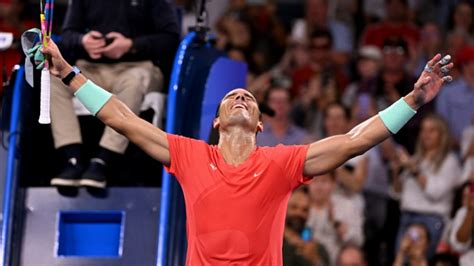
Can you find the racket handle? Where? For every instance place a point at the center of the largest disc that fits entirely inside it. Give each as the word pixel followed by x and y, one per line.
pixel 44 117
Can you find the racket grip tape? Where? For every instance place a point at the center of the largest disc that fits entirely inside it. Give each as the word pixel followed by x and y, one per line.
pixel 44 117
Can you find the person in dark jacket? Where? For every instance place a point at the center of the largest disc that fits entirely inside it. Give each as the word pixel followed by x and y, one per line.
pixel 127 47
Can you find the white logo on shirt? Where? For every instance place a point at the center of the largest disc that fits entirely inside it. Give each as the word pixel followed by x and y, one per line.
pixel 213 167
pixel 257 174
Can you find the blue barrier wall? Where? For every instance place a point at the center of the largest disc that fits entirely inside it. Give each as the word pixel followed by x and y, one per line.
pixel 10 176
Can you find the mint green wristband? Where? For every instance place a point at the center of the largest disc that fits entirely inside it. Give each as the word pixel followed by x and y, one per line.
pixel 92 96
pixel 397 115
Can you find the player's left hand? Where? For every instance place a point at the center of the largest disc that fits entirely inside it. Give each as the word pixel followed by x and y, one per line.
pixel 119 46
pixel 434 75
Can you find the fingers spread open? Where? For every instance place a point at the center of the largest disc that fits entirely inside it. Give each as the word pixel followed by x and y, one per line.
pixel 441 63
pixel 438 64
pixel 433 60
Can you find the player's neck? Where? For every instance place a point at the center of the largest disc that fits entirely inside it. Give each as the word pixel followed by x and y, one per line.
pixel 236 144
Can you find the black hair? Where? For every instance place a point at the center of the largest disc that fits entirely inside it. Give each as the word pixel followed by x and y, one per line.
pixel 458 196
pixel 347 111
pixel 398 41
pixel 322 33
pixel 266 97
pixel 445 259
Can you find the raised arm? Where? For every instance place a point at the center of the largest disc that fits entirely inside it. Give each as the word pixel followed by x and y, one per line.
pixel 327 154
pixel 115 113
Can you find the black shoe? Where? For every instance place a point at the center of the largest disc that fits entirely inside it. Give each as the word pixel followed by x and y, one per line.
pixel 95 175
pixel 69 177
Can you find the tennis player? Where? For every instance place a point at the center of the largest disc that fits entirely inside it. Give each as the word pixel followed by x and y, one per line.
pixel 236 193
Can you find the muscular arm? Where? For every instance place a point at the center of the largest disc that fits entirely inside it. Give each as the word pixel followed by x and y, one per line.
pixel 327 154
pixel 149 138
pixel 115 113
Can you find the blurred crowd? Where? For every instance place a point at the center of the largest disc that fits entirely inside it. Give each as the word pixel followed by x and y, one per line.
pixel 407 201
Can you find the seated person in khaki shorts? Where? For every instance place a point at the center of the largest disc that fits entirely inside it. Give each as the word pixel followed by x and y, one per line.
pixel 126 47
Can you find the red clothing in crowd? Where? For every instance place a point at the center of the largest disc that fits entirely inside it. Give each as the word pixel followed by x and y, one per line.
pixel 303 75
pixel 13 55
pixel 377 33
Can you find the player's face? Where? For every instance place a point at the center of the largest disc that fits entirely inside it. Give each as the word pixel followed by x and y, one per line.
pixel 239 107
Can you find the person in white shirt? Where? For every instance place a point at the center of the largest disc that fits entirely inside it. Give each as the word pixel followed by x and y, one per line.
pixel 316 16
pixel 467 152
pixel 428 183
pixel 413 247
pixel 462 231
pixel 334 219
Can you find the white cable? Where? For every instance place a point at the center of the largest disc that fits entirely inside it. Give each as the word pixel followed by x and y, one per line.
pixel 44 117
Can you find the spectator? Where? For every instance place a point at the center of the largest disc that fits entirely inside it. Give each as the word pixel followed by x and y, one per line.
pixel 280 129
pixel 371 175
pixel 234 36
pixel 431 43
pixel 456 40
pixel 414 246
pixel 462 18
pixel 422 11
pixel 125 47
pixel 396 24
pixel 334 220
pixel 343 11
pixel 369 64
pixel 320 69
pixel 268 34
pixel 395 81
pixel 428 183
pixel 374 10
pixel 316 17
pixel 467 152
pixel 337 120
pixel 378 236
pixel 296 250
pixel 462 231
pixel 352 175
pixel 455 101
pixel 351 255
pixel 332 120
pixel 295 57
